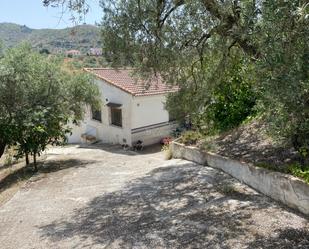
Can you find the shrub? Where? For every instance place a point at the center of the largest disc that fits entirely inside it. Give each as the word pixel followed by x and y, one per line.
pixel 209 144
pixel 168 154
pixel 233 100
pixel 190 137
pixel 226 189
pixel 299 171
pixel 283 72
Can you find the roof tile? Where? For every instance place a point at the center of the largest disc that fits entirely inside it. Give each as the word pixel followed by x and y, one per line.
pixel 125 80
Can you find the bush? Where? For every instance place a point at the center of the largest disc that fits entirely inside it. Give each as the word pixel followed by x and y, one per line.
pixel 299 171
pixel 220 106
pixel 168 154
pixel 283 73
pixel 232 102
pixel 190 137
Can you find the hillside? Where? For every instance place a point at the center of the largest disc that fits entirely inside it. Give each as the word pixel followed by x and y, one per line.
pixel 80 37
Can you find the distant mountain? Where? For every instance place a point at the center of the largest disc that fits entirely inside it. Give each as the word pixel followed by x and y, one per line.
pixel 82 37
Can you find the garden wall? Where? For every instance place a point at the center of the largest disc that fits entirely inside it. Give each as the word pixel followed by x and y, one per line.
pixel 282 187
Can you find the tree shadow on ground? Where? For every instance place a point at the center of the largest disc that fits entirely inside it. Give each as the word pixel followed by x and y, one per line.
pixel 172 207
pixel 117 149
pixel 21 174
pixel 56 165
pixel 25 173
pixel 284 239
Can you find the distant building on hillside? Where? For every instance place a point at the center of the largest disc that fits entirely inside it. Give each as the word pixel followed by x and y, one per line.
pixel 95 51
pixel 72 52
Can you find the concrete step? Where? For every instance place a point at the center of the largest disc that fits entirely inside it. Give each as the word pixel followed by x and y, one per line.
pixel 89 139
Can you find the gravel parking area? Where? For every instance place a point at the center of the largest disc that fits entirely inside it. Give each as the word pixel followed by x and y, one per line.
pixel 104 197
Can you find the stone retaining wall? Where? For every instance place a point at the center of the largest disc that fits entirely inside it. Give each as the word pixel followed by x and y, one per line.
pixel 282 187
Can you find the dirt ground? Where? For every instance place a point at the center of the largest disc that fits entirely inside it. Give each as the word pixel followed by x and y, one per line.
pixel 14 176
pixel 104 197
pixel 250 143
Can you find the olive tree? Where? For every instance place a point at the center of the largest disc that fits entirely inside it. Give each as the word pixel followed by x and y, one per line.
pixel 38 99
pixel 283 71
pixel 191 42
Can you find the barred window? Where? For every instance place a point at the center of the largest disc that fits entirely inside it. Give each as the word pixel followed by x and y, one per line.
pixel 96 114
pixel 116 116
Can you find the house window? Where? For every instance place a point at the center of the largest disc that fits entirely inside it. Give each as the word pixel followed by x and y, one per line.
pixel 96 114
pixel 116 116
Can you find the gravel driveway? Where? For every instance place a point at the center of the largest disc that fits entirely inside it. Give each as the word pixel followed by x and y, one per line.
pixel 104 197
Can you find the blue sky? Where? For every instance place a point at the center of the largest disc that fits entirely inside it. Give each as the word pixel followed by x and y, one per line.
pixel 34 15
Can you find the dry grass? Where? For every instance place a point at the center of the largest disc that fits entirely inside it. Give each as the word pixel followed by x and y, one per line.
pixel 250 143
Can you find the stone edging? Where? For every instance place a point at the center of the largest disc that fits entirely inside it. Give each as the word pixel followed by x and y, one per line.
pixel 287 189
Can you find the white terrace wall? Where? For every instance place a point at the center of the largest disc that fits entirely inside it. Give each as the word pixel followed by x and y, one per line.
pixel 287 189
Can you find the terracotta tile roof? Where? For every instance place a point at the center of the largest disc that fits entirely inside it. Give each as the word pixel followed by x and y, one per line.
pixel 123 79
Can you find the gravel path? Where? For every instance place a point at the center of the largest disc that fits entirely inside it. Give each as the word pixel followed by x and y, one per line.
pixel 104 197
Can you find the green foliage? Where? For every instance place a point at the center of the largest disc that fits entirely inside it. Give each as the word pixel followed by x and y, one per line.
pixel 1 48
pixel 90 61
pixel 295 169
pixel 190 137
pixel 38 99
pixel 283 71
pixel 180 104
pixel 78 8
pixel 191 43
pixel 81 37
pixel 227 189
pixel 299 171
pixel 44 51
pixel 9 156
pixel 208 143
pixel 168 154
pixel 233 100
pixel 220 107
pixel 86 61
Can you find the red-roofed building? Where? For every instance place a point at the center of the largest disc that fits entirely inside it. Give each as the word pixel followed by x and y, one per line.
pixel 132 109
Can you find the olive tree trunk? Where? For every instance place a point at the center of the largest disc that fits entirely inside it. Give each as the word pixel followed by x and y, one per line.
pixel 34 162
pixel 27 158
pixel 2 148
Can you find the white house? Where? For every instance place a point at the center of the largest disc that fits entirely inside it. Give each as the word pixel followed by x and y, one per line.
pixel 95 51
pixel 132 110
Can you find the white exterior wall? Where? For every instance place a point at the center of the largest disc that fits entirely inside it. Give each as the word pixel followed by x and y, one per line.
pixel 154 135
pixel 148 110
pixel 137 112
pixel 103 130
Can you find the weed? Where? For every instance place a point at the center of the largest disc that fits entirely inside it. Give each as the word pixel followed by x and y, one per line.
pixel 299 171
pixel 227 189
pixel 294 169
pixel 168 154
pixel 190 137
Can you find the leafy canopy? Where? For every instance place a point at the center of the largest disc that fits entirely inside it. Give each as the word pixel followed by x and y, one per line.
pixel 38 99
pixel 191 43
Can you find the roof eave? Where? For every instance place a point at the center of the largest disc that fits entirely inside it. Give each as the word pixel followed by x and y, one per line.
pixel 106 80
